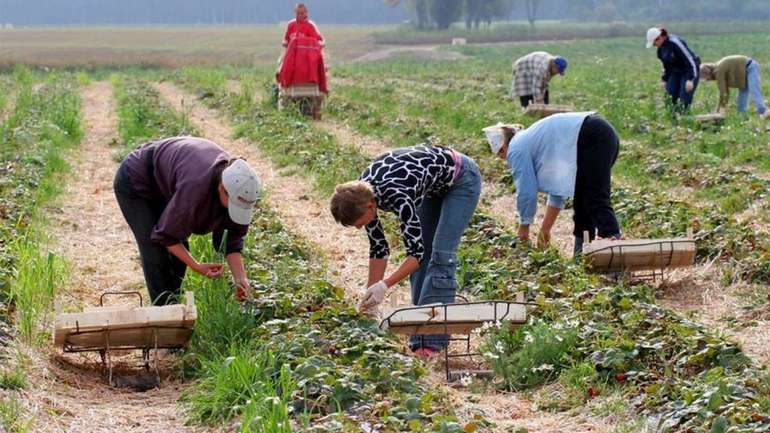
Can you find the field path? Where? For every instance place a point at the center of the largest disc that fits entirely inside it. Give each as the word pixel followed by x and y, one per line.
pixel 300 209
pixel 426 52
pixel 68 393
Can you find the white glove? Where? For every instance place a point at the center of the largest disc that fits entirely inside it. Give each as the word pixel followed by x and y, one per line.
pixel 373 296
pixel 689 86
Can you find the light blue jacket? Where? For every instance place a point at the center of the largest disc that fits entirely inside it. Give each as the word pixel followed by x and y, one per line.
pixel 543 158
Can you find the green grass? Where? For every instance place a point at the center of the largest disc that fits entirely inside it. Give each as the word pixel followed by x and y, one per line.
pixel 12 418
pixel 644 351
pixel 339 361
pixel 15 379
pixel 532 354
pixel 407 101
pixel 143 116
pixel 43 127
pixel 284 136
pixel 299 331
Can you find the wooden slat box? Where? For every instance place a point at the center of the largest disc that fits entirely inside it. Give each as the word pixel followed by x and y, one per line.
pixel 126 327
pixel 709 118
pixel 301 91
pixel 639 254
pixel 543 110
pixel 451 318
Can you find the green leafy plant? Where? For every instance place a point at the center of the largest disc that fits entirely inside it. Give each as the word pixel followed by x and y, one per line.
pixel 532 354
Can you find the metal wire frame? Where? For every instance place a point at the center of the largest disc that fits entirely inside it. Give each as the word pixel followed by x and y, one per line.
pixel 652 274
pixel 466 338
pixel 105 351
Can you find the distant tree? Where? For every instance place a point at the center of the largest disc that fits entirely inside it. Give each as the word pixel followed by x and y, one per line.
pixel 418 7
pixel 472 13
pixel 446 12
pixel 532 6
pixel 477 11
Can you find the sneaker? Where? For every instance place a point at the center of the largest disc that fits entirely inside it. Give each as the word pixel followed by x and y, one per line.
pixel 426 353
pixel 765 115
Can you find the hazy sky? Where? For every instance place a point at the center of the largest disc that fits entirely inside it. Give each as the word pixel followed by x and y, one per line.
pixel 46 12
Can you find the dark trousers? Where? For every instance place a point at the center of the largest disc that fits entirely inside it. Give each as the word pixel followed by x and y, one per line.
pixel 528 99
pixel 680 97
pixel 163 272
pixel 597 150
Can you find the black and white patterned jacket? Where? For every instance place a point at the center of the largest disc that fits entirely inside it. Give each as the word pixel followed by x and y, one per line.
pixel 401 179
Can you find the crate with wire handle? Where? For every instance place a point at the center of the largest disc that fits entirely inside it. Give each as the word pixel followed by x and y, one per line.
pixel 710 118
pixel 457 320
pixel 544 110
pixel 105 329
pixel 639 255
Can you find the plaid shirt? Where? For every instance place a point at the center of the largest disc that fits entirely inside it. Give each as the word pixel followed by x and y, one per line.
pixel 531 75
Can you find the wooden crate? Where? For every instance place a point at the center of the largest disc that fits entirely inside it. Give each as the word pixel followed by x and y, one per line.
pixel 451 318
pixel 709 118
pixel 301 91
pixel 545 110
pixel 168 326
pixel 639 254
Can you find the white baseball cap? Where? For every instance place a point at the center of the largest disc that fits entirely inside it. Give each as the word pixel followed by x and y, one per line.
pixel 243 187
pixel 652 34
pixel 494 134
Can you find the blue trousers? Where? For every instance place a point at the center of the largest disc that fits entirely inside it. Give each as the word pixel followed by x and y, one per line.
pixel 753 88
pixel 680 97
pixel 443 221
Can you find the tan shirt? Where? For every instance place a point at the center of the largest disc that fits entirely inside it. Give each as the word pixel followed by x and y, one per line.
pixel 730 72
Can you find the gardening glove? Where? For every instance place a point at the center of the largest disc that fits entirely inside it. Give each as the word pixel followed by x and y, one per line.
pixel 689 86
pixel 373 296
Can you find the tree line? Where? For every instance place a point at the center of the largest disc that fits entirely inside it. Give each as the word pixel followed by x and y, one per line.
pixel 440 14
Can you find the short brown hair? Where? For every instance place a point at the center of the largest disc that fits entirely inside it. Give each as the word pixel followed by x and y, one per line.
pixel 708 71
pixel 349 201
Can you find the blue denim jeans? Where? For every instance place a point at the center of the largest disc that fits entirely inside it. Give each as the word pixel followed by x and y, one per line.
pixel 753 88
pixel 443 221
pixel 680 97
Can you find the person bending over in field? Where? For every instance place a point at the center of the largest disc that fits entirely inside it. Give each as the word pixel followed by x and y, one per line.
pixel 301 25
pixel 680 67
pixel 434 191
pixel 531 75
pixel 738 72
pixel 564 155
pixel 171 188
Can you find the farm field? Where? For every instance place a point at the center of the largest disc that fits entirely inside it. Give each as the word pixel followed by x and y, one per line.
pixel 684 354
pixel 167 46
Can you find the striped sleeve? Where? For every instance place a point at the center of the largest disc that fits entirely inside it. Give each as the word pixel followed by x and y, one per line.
pixel 684 52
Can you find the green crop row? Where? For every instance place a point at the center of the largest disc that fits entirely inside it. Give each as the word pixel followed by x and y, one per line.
pixel 298 357
pixel 654 356
pixel 43 124
pixel 143 116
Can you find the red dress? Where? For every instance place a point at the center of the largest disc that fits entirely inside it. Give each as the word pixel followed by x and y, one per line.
pixel 303 63
pixel 305 27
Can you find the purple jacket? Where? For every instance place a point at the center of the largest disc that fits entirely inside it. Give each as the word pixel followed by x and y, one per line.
pixel 184 180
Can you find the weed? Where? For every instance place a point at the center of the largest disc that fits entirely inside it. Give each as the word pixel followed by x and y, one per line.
pixel 12 418
pixel 532 354
pixel 13 380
